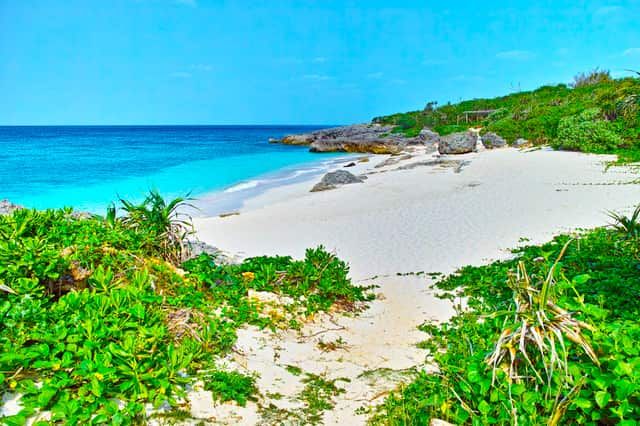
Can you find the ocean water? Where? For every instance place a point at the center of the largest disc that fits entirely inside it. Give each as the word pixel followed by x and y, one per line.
pixel 87 167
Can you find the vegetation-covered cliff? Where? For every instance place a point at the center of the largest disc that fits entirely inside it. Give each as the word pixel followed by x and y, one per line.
pixel 593 114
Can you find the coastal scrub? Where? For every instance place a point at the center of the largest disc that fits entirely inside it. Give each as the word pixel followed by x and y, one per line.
pixel 101 322
pixel 586 371
pixel 595 114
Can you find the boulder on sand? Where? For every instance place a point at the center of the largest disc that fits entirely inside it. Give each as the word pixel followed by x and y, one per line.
pixel 429 137
pixel 492 140
pixel 458 143
pixel 333 179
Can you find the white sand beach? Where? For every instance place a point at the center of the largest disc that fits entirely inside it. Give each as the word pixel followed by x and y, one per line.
pixel 402 220
pixel 429 218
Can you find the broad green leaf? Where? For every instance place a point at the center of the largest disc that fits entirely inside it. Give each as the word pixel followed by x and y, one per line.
pixel 602 398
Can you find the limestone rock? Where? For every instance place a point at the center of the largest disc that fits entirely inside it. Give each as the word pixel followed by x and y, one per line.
pixel 458 143
pixel 333 179
pixel 429 137
pixel 492 140
pixel 373 138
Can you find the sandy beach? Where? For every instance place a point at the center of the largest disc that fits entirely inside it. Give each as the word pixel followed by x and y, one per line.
pixel 406 218
pixel 430 218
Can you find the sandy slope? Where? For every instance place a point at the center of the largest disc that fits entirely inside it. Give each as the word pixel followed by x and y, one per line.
pixel 427 218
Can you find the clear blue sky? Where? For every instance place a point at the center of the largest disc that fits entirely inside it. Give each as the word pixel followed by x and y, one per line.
pixel 279 61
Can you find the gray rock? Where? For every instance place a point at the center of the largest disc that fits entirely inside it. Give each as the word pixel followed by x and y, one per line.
pixel 7 207
pixel 520 142
pixel 374 138
pixel 457 143
pixel 333 179
pixel 197 247
pixel 491 140
pixel 429 137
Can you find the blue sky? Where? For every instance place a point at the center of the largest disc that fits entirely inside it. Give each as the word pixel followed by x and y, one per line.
pixel 279 61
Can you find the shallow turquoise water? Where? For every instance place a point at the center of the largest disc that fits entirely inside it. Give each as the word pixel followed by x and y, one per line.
pixel 88 167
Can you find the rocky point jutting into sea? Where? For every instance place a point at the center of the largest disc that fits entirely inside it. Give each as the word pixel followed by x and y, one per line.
pixel 385 139
pixel 373 138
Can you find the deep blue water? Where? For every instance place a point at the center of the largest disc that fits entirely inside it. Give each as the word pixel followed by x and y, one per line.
pixel 89 166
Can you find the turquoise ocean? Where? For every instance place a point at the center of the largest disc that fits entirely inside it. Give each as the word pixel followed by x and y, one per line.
pixel 88 167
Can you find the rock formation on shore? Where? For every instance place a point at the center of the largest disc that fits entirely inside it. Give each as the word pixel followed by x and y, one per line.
pixel 333 179
pixel 458 143
pixel 374 138
pixel 491 140
pixel 385 139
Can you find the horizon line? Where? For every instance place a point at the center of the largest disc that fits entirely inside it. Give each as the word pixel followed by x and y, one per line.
pixel 171 125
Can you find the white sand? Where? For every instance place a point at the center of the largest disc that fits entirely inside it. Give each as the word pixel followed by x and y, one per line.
pixel 428 218
pixel 424 219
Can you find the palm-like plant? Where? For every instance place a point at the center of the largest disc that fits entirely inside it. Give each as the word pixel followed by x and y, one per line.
pixel 166 223
pixel 628 225
pixel 537 331
pixel 634 71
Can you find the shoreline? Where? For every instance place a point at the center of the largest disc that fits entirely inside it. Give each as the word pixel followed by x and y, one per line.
pixel 232 198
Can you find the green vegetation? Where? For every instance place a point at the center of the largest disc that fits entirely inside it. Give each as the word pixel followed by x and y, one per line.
pixel 317 396
pixel 101 320
pixel 231 386
pixel 594 114
pixel 549 337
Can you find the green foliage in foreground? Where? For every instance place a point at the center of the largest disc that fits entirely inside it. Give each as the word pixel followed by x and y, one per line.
pixel 96 326
pixel 598 280
pixel 598 115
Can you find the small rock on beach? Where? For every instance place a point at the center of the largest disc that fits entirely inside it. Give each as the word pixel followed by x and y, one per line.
pixel 333 179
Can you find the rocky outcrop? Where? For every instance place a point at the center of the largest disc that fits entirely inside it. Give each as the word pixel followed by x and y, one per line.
pixel 492 140
pixel 458 143
pixel 429 137
pixel 333 179
pixel 7 207
pixel 520 142
pixel 373 138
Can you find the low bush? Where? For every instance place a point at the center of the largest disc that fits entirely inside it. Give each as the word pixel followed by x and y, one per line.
pixel 587 132
pixel 590 78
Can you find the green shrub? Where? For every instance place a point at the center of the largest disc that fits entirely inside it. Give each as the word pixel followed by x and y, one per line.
pixel 165 224
pixel 590 78
pixel 406 122
pixel 587 132
pixel 231 386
